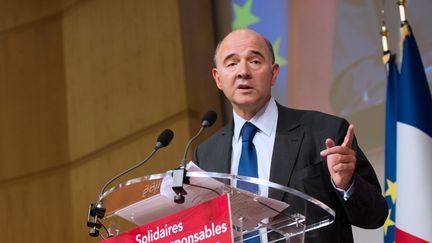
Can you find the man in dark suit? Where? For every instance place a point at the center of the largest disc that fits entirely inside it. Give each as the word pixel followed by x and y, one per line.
pixel 310 151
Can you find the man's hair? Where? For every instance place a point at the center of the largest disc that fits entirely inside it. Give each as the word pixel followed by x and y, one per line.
pixel 268 43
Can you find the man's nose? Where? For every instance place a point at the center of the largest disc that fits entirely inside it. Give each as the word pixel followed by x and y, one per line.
pixel 243 71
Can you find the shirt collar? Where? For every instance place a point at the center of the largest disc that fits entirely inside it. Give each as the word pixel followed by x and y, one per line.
pixel 264 120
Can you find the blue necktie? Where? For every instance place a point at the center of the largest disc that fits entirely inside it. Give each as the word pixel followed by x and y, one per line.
pixel 248 166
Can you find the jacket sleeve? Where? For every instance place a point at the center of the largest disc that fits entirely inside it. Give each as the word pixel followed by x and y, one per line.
pixel 366 207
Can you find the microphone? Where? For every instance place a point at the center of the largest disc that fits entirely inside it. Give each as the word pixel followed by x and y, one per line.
pixel 96 210
pixel 179 174
pixel 209 119
pixel 163 140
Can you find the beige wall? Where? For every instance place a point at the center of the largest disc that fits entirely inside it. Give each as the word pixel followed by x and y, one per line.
pixel 85 89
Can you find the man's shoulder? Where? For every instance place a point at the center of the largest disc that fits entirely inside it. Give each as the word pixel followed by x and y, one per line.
pixel 216 148
pixel 309 118
pixel 219 135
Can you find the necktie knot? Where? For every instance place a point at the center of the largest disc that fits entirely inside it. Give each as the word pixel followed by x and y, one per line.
pixel 248 132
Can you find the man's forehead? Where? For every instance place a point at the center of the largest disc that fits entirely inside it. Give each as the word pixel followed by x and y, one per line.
pixel 244 46
pixel 239 39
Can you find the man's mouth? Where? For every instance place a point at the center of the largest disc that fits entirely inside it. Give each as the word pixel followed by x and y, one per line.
pixel 244 87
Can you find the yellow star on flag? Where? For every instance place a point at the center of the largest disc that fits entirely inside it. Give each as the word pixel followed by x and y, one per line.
pixel 391 190
pixel 278 58
pixel 388 223
pixel 243 15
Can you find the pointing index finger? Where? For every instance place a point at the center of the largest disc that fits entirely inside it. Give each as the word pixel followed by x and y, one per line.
pixel 349 137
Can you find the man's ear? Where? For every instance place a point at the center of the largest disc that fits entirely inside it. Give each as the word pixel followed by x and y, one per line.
pixel 275 73
pixel 215 74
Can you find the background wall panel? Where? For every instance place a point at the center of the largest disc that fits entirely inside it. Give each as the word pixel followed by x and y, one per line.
pixel 37 208
pixel 120 69
pixel 20 12
pixel 85 89
pixel 33 123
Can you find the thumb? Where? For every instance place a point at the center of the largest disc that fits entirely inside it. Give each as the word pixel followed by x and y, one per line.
pixel 329 143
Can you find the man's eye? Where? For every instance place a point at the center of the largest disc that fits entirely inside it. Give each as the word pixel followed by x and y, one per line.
pixel 255 62
pixel 230 64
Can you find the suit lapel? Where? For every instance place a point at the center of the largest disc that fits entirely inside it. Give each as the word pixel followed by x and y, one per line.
pixel 289 136
pixel 223 157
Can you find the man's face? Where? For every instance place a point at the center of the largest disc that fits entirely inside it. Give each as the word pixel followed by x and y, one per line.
pixel 244 71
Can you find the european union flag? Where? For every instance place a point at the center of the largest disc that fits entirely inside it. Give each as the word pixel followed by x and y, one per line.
pixel 390 148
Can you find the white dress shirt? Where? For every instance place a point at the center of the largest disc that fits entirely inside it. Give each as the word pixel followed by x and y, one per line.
pixel 266 121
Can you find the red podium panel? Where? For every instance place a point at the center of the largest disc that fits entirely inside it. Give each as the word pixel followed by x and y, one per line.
pixel 206 222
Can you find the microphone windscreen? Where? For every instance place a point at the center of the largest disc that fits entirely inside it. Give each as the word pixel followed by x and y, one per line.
pixel 164 138
pixel 208 119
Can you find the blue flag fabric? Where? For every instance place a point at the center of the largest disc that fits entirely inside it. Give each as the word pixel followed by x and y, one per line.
pixel 390 147
pixel 415 106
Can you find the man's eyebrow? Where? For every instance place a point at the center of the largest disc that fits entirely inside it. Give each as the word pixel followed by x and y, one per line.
pixel 228 57
pixel 257 53
pixel 253 52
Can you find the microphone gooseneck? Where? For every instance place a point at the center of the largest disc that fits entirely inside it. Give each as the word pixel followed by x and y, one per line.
pixel 163 140
pixel 96 210
pixel 207 120
pixel 179 174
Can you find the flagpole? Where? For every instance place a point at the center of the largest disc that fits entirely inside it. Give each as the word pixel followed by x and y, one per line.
pixel 384 38
pixel 384 41
pixel 404 29
pixel 402 12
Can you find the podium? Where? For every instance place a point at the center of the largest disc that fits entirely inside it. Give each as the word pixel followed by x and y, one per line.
pixel 274 213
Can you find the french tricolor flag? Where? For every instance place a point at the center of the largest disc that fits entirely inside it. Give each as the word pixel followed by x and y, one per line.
pixel 414 148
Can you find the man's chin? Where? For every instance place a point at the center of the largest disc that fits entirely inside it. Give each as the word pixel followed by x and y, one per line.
pixel 248 105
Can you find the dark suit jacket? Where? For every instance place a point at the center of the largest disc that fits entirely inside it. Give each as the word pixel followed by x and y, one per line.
pixel 296 163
